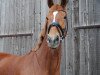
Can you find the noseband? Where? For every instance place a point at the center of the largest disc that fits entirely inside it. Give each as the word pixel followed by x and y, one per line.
pixel 59 28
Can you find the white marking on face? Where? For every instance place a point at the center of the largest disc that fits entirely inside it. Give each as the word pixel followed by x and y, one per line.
pixel 54 14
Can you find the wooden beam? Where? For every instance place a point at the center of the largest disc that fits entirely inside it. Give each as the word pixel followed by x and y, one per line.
pixel 16 35
pixel 87 27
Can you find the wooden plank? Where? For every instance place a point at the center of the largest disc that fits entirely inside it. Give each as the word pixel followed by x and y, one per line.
pixel 37 27
pixel 82 12
pixel 63 59
pixel 0 14
pixel 83 53
pixel 1 39
pixel 98 51
pixel 6 46
pixel 23 45
pixel 19 45
pixel 1 44
pixel 3 19
pixel 37 24
pixel 37 6
pixel 97 11
pixel 28 44
pixel 17 15
pixel 16 35
pixel 92 51
pixel 22 16
pixel 87 27
pixel 10 45
pixel 91 18
pixel 13 22
pixel 75 41
pixel 69 40
pixel 10 14
pixel 26 28
pixel 32 19
pixel 76 13
pixel 76 53
pixel 31 15
pixel 44 11
pixel 15 46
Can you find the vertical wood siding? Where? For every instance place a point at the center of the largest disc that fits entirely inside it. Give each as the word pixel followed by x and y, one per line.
pixel 86 49
pixel 17 17
pixel 81 48
pixel 23 17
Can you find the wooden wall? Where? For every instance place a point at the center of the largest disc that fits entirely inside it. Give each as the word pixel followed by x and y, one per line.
pixel 87 37
pixel 21 17
pixel 16 17
pixel 20 24
pixel 22 21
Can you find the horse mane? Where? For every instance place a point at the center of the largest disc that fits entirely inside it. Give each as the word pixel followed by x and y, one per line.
pixel 41 37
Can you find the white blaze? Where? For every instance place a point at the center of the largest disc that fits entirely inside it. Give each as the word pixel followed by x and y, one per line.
pixel 54 14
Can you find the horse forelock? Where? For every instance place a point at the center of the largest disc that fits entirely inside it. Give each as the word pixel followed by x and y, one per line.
pixel 56 7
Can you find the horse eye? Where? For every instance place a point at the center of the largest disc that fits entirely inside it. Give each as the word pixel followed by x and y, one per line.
pixel 65 17
pixel 47 18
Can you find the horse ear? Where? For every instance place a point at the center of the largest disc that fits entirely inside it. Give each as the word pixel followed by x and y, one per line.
pixel 64 3
pixel 50 3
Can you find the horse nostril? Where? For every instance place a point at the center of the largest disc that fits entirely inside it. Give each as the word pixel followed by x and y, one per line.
pixel 49 39
pixel 56 39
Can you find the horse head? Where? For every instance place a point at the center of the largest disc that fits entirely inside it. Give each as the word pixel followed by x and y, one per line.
pixel 57 24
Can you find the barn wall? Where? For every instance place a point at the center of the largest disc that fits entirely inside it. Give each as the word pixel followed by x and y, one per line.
pixel 20 17
pixel 17 17
pixel 80 54
pixel 86 49
pixel 20 24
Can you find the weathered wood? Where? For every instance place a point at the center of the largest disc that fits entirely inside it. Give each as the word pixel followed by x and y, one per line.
pixel 69 40
pixel 16 35
pixel 82 13
pixel 97 11
pixel 91 19
pixel 87 27
pixel 0 15
pixel 76 53
pixel 92 51
pixel 1 44
pixel 98 51
pixel 44 11
pixel 81 55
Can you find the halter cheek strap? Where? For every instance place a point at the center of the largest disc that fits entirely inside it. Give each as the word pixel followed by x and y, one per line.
pixel 57 25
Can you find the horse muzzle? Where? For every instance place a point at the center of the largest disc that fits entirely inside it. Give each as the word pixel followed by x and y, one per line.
pixel 53 42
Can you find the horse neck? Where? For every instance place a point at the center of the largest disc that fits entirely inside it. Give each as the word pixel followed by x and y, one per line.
pixel 49 58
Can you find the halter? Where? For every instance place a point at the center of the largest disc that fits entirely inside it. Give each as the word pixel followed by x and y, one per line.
pixel 59 28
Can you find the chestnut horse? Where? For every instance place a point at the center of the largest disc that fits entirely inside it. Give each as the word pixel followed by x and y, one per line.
pixel 45 58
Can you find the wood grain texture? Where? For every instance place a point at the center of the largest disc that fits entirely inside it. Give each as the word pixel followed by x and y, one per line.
pixel 81 47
